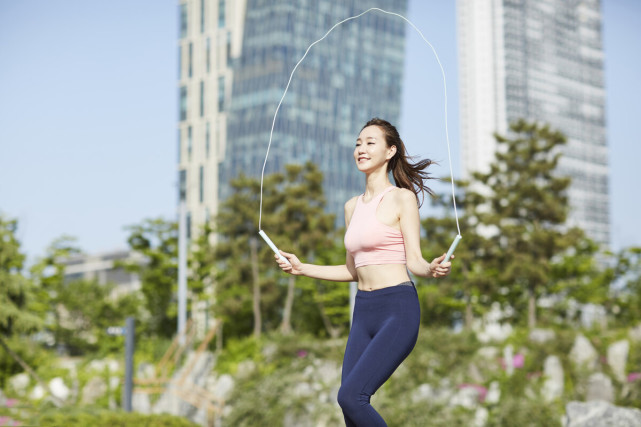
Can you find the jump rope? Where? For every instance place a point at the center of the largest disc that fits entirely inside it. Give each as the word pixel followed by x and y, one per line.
pixel 447 137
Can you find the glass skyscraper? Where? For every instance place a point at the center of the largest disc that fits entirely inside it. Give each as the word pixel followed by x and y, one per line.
pixel 539 60
pixel 351 76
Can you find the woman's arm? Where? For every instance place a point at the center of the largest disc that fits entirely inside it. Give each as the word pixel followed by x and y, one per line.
pixel 410 227
pixel 334 273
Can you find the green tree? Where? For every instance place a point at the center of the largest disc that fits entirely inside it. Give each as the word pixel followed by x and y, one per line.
pixel 294 217
pixel 525 211
pixel 157 240
pixel 472 286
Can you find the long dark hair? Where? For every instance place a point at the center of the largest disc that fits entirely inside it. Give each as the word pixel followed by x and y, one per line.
pixel 406 173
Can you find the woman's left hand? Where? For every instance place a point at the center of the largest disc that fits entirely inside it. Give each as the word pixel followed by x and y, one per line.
pixel 440 270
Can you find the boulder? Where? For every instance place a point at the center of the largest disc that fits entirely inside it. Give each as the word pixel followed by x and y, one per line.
pixel 618 357
pixel 140 403
pixel 541 335
pixel 93 390
pixel 598 414
pixel 553 385
pixel 583 353
pixel 600 388
pixel 59 389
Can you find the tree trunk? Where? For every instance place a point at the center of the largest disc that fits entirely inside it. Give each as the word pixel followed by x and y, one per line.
pixel 286 326
pixel 30 371
pixel 331 330
pixel 469 316
pixel 256 288
pixel 531 310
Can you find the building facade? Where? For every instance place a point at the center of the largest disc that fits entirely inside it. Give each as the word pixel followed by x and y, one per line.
pixel 236 59
pixel 538 60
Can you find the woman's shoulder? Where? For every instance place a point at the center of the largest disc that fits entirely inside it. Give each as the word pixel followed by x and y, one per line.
pixel 351 204
pixel 403 195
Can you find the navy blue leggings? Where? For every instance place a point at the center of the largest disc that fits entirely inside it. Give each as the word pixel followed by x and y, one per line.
pixel 384 332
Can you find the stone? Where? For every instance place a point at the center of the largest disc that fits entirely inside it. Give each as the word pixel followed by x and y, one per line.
pixel 93 390
pixel 140 403
pixel 508 357
pixel 599 388
pixel 480 417
pixel 635 333
pixel 246 368
pixel 618 357
pixel 37 393
pixel 493 395
pixel 541 335
pixel 19 382
pixel 466 397
pixel 598 414
pixel 583 353
pixel 59 389
pixel 224 386
pixel 424 392
pixel 553 386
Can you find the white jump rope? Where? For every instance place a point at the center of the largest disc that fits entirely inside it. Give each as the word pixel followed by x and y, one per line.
pixel 447 137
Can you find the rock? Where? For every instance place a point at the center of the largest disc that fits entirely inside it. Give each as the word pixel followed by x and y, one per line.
pixel 508 357
pixel 19 382
pixel 480 417
pixel 424 392
pixel 59 389
pixel 553 385
pixel 598 414
pixel 97 365
pixel 140 403
pixel 493 394
pixel 466 397
pixel 37 393
pixel 489 353
pixel 223 386
pixel 246 368
pixel 583 353
pixel 145 370
pixel 93 390
pixel 618 357
pixel 600 388
pixel 635 333
pixel 541 335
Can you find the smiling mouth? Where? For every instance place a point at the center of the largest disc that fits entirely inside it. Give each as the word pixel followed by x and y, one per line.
pixel 362 158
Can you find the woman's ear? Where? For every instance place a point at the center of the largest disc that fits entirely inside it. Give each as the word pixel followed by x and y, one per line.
pixel 391 152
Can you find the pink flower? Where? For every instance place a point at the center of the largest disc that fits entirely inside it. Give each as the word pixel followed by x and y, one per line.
pixel 4 420
pixel 519 360
pixel 301 353
pixel 634 376
pixel 10 402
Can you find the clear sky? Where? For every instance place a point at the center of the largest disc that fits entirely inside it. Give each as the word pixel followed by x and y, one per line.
pixel 88 110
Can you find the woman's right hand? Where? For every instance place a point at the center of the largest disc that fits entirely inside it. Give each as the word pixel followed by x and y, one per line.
pixel 296 266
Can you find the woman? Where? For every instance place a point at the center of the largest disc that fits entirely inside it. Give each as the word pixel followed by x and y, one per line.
pixel 382 242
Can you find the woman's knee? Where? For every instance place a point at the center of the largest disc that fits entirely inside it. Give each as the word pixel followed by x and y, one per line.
pixel 350 399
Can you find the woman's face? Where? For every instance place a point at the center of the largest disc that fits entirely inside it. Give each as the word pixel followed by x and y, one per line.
pixel 371 151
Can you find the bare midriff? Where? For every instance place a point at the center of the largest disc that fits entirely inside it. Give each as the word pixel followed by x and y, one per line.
pixel 379 276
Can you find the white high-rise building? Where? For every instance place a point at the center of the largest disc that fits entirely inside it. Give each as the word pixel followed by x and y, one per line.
pixel 541 60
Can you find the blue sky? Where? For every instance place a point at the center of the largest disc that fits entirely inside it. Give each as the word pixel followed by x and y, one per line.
pixel 88 113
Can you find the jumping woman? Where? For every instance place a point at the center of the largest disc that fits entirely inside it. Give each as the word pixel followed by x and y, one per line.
pixel 382 242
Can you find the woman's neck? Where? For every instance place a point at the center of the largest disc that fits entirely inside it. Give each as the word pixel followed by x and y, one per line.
pixel 375 182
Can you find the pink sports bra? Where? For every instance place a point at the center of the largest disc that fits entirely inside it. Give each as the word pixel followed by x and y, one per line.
pixel 370 241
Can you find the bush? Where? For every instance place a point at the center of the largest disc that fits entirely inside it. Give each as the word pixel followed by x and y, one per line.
pixel 103 418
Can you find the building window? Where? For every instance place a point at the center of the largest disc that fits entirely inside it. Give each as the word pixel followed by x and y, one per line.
pixel 228 46
pixel 202 98
pixel 191 59
pixel 221 13
pixel 207 139
pixel 201 184
pixel 202 16
pixel 208 55
pixel 183 103
pixel 182 186
pixel 183 20
pixel 221 93
pixel 189 134
pixel 188 225
pixel 179 145
pixel 180 62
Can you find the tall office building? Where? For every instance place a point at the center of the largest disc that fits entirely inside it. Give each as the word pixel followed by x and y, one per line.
pixel 210 40
pixel 351 76
pixel 235 61
pixel 539 60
